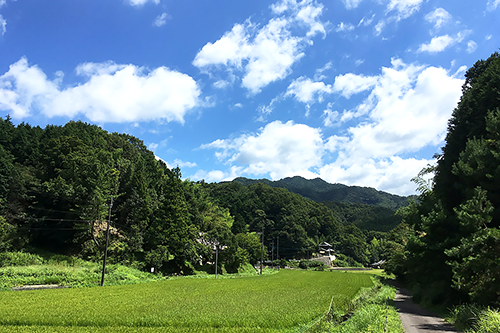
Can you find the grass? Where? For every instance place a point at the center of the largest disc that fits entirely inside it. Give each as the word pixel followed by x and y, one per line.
pixel 472 318
pixel 85 274
pixel 285 301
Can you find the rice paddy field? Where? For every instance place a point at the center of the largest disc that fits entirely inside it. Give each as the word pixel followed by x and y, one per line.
pixel 287 301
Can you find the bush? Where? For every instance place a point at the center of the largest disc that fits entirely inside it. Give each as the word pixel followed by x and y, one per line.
pixel 312 264
pixel 19 259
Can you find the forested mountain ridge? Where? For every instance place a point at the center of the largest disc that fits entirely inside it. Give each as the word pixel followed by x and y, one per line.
pixel 321 191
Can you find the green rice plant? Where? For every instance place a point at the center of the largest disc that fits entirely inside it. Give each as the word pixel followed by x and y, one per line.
pixel 276 302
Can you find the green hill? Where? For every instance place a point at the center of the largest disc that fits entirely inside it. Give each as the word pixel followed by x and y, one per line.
pixel 321 191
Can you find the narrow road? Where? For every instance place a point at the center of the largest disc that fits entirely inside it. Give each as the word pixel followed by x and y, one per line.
pixel 417 320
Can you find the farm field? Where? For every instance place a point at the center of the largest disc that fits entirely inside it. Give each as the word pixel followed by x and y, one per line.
pixel 280 302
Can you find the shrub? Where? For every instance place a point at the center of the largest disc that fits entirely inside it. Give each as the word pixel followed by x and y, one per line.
pixel 19 259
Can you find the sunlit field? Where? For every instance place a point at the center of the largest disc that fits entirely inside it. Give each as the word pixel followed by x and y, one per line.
pixel 274 303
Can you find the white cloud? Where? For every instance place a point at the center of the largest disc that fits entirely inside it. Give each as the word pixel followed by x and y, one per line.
pixel 266 54
pixel 222 84
pixel 279 149
pixel 3 25
pixel 396 11
pixel 492 4
pixel 366 22
pixel 184 164
pixel 392 174
pixel 330 116
pixel 439 44
pixel 112 93
pixel 351 4
pixel 23 87
pixel 153 146
pixel 407 109
pixel 404 8
pixel 471 46
pixel 438 17
pixel 161 20
pixel 318 75
pixel 344 27
pixel 139 3
pixel 350 84
pixel 308 91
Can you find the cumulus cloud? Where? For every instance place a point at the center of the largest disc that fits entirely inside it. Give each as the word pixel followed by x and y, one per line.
pixel 264 55
pixel 161 20
pixel 308 91
pixel 112 93
pixel 438 17
pixel 350 84
pixel 440 43
pixel 280 149
pixel 407 109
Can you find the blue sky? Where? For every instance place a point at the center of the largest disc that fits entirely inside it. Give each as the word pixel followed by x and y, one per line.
pixel 353 91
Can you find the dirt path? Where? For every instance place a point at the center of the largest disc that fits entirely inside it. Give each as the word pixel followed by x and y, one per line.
pixel 416 319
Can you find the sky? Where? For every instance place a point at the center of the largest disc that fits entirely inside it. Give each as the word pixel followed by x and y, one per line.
pixel 357 92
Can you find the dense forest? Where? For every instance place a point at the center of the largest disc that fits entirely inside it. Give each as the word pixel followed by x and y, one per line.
pixel 321 191
pixel 452 252
pixel 60 185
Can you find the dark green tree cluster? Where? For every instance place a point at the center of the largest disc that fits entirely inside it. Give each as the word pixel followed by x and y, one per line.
pixel 56 186
pixel 454 252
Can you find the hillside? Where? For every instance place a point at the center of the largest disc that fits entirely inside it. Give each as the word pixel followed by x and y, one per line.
pixel 321 191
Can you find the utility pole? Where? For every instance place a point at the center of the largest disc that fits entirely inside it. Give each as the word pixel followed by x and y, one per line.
pixel 278 251
pixel 216 257
pixel 272 254
pixel 262 251
pixel 107 242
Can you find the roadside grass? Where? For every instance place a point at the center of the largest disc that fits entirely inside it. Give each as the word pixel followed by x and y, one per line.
pixel 472 318
pixel 280 302
pixel 372 310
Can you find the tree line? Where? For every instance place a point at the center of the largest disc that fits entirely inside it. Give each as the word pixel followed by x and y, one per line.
pixel 451 252
pixel 57 183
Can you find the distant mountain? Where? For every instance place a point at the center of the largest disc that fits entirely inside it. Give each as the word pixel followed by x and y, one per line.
pixel 321 191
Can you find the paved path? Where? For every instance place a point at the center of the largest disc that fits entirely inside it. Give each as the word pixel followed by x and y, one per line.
pixel 416 319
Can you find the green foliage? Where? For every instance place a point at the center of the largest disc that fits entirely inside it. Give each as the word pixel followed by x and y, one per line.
pixel 19 259
pixel 321 191
pixel 452 255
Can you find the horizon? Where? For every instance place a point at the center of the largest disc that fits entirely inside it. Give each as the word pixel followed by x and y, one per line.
pixel 353 92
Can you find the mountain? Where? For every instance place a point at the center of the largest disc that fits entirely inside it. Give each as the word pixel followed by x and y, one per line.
pixel 321 191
